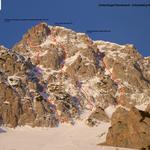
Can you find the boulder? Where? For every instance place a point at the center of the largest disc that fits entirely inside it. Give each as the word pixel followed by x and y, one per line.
pixel 97 116
pixel 129 128
pixel 148 108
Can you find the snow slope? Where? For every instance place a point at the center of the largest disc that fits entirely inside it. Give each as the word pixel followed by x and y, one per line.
pixel 66 137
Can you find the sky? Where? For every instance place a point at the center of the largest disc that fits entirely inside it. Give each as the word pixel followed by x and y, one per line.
pixel 123 24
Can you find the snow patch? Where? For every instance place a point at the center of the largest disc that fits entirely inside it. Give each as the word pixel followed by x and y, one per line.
pixel 47 42
pixel 61 39
pixel 43 53
pixel 110 110
pixel 100 42
pixel 13 80
pixel 72 59
pixel 82 45
pixel 6 102
pixel 142 106
pixel 89 86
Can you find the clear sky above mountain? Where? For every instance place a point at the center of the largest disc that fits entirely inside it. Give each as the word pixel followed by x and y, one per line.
pixel 125 24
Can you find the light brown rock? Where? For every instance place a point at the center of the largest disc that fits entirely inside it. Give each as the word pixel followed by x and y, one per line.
pixel 130 129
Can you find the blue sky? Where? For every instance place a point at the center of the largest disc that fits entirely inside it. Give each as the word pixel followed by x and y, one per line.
pixel 127 24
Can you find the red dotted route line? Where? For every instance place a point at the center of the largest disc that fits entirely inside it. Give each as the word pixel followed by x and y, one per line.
pixel 122 89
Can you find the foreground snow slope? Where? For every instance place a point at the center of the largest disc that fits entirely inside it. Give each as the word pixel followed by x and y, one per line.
pixel 66 137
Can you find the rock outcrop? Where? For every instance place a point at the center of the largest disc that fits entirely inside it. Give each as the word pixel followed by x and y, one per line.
pixel 148 108
pixel 22 97
pixel 97 116
pixel 129 128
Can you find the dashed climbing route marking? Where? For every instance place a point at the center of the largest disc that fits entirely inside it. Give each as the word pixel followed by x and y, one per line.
pixel 122 89
pixel 83 92
pixel 37 48
pixel 62 71
pixel 88 99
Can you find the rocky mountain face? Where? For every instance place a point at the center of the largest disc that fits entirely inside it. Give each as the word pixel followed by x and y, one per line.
pixel 54 75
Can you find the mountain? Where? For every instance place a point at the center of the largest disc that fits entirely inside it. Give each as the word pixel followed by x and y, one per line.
pixel 55 75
